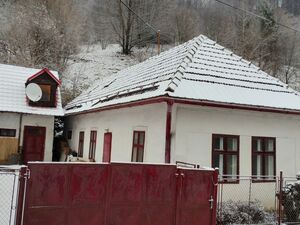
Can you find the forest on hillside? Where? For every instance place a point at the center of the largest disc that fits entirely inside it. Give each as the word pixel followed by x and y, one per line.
pixel 46 33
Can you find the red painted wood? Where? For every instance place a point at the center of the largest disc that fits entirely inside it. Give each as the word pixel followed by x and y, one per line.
pixel 45 70
pixel 107 147
pixel 118 194
pixel 168 132
pixel 33 143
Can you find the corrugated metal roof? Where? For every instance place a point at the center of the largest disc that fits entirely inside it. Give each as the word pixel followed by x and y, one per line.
pixel 12 92
pixel 200 70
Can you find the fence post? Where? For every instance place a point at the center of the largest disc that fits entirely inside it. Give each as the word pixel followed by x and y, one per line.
pixel 215 197
pixel 280 198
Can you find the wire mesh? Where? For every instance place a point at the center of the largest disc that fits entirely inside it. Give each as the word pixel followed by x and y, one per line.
pixel 291 200
pixel 9 181
pixel 247 200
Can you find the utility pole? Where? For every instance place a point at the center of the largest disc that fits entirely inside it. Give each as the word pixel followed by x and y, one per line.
pixel 157 32
pixel 158 41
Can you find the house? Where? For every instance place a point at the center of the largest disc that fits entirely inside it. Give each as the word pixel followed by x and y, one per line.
pixel 197 103
pixel 29 101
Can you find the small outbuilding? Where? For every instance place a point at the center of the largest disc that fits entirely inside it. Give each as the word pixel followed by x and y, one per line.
pixel 198 103
pixel 29 101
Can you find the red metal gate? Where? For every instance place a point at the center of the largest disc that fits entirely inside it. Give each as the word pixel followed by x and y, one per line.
pixel 118 194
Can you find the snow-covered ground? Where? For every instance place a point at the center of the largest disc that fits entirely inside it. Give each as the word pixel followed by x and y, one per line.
pixel 93 63
pixel 9 183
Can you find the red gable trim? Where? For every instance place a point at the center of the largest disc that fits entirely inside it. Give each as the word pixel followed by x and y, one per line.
pixel 45 70
pixel 190 102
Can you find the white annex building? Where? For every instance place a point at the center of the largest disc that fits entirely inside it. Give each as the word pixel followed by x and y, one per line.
pixel 29 100
pixel 197 103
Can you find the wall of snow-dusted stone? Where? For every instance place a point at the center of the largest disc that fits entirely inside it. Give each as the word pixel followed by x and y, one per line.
pixel 12 120
pixel 122 123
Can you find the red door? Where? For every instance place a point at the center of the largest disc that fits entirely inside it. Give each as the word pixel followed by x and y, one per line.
pixel 107 147
pixel 34 143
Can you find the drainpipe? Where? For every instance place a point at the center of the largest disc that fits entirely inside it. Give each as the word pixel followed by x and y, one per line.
pixel 168 131
pixel 19 137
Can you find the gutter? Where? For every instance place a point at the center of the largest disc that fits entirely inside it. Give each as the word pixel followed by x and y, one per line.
pixel 166 98
pixel 168 131
pixel 19 137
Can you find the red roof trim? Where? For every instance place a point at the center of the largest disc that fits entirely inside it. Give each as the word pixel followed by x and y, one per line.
pixel 45 70
pixel 191 102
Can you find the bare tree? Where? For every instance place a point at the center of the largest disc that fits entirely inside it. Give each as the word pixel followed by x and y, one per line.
pixel 40 33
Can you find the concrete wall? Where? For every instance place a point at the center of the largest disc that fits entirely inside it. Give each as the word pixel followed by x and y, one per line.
pixel 12 120
pixel 122 123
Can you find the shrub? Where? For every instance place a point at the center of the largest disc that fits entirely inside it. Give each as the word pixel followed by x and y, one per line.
pixel 243 213
pixel 291 202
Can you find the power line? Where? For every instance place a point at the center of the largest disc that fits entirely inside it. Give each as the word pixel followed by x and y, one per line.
pixel 157 32
pixel 137 15
pixel 258 16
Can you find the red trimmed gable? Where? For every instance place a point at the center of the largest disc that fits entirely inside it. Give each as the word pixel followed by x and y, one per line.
pixel 43 71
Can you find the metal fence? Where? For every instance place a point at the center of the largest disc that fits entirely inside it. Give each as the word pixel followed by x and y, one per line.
pixel 9 193
pixel 265 201
pixel 290 198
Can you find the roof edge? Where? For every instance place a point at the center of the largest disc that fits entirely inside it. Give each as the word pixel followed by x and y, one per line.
pixel 167 98
pixel 45 70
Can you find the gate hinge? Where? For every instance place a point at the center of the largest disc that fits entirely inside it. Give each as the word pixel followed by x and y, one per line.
pixel 26 175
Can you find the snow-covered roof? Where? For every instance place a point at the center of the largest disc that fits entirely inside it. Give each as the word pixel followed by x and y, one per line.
pixel 12 92
pixel 199 69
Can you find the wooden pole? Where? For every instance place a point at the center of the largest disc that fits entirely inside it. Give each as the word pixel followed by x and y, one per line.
pixel 158 42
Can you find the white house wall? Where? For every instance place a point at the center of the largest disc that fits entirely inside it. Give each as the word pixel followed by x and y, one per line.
pixel 122 123
pixel 193 143
pixel 195 126
pixel 12 121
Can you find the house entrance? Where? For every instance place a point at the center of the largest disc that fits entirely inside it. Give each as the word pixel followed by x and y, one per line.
pixel 33 143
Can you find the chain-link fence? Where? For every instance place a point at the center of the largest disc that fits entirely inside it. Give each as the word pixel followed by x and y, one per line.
pixel 9 189
pixel 246 200
pixel 290 198
pixel 263 200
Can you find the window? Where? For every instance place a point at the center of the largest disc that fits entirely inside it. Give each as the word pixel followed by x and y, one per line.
pixel 93 140
pixel 69 135
pixel 80 144
pixel 263 158
pixel 225 156
pixel 138 146
pixel 7 132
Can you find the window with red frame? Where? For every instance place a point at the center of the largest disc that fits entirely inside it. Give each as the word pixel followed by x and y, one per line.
pixel 138 146
pixel 93 141
pixel 264 158
pixel 81 144
pixel 225 156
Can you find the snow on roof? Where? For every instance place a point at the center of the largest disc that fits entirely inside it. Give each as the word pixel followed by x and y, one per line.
pixel 199 69
pixel 12 92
